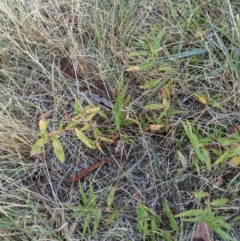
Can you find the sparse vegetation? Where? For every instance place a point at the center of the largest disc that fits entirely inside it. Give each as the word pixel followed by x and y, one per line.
pixel 119 120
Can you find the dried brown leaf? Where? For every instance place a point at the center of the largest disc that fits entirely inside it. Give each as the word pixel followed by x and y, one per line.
pixel 38 158
pixel 202 232
pixel 219 182
pixel 232 129
pixel 137 197
pixel 73 228
pixel 83 173
pixel 119 146
pixel 65 69
pixel 157 127
pixel 78 162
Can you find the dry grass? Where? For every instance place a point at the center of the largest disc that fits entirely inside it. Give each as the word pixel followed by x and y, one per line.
pixel 95 38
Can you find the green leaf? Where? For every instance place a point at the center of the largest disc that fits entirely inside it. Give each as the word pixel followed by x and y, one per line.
pixel 77 109
pixel 142 44
pixel 140 224
pixel 166 235
pixel 158 39
pixel 173 222
pixel 98 145
pixel 110 196
pixel 237 218
pixel 101 113
pixel 159 86
pixel 179 177
pixel 220 222
pixel 105 139
pixel 207 159
pixel 43 135
pixel 96 132
pixel 86 223
pixel 145 230
pixel 58 149
pixel 142 218
pixel 183 159
pixel 126 100
pixel 204 157
pixel 216 152
pixel 194 220
pixel 227 154
pixel 118 111
pixel 83 195
pixel 194 212
pixel 97 219
pixel 37 146
pixel 150 84
pixel 111 218
pixel 153 30
pixel 202 98
pixel 223 157
pixel 196 160
pixel 85 128
pixel 200 194
pixel 146 66
pixel 92 197
pixel 79 210
pixel 199 153
pixel 153 226
pixel 128 122
pixel 72 124
pixel 192 137
pixel 223 234
pixel 206 139
pixel 93 113
pixel 156 160
pixel 154 107
pixel 60 127
pixel 219 202
pixel 84 139
pixel 168 69
pixel 124 93
pixel 149 210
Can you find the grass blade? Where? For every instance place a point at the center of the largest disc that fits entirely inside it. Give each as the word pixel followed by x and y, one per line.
pixel 156 160
pixel 86 223
pixel 172 220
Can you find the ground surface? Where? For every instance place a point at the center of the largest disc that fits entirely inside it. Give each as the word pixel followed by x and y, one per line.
pixel 150 87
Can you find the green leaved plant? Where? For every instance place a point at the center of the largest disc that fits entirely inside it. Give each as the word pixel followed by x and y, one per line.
pixel 147 222
pixel 204 147
pixel 82 122
pixel 150 45
pixel 92 212
pixel 214 222
pixel 45 137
